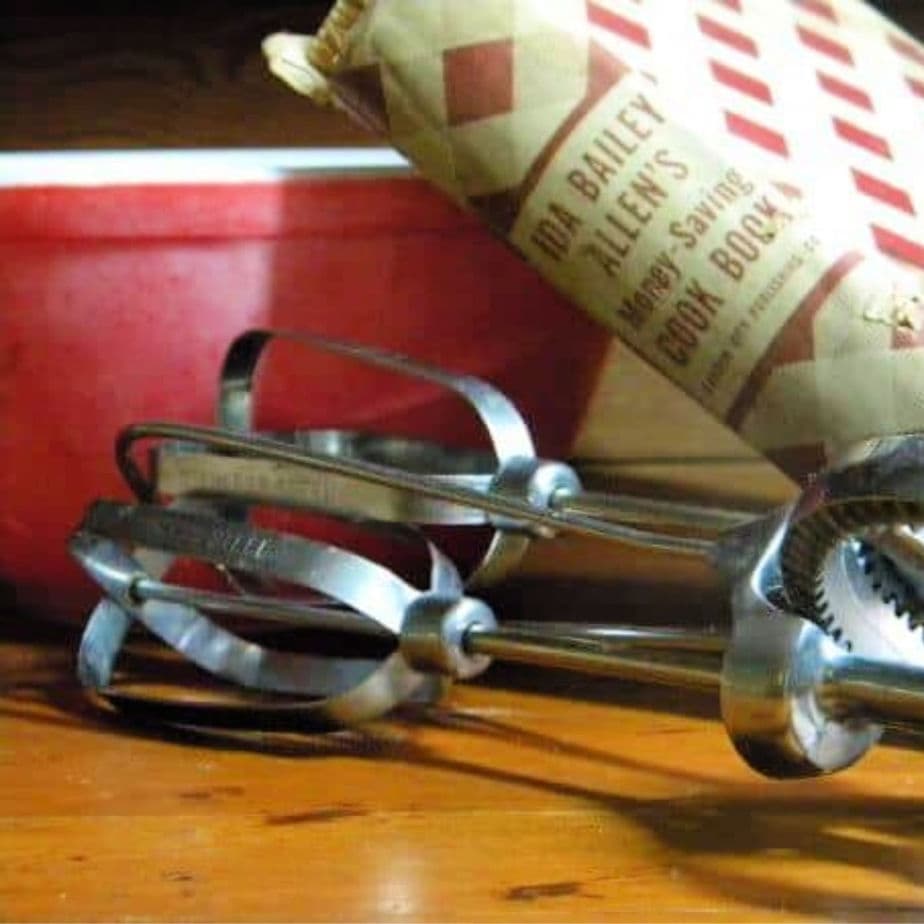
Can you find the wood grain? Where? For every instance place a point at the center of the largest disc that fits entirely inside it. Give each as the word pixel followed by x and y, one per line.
pixel 594 801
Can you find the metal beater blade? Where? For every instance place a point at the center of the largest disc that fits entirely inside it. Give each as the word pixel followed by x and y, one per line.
pixel 794 703
pixel 393 479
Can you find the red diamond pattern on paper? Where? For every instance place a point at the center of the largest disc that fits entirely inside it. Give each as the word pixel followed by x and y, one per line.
pixel 479 81
pixel 820 96
pixel 802 90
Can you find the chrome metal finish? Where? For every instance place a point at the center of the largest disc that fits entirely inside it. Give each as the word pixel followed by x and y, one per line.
pixel 905 550
pixel 856 605
pixel 621 636
pixel 778 704
pixel 775 684
pixel 182 472
pixel 436 632
pixel 651 511
pixel 536 482
pixel 330 616
pixel 794 702
pixel 506 508
pixel 509 435
pixel 586 656
pixel 832 559
pixel 889 693
pixel 351 690
pixel 203 642
pixel 394 480
pixel 507 432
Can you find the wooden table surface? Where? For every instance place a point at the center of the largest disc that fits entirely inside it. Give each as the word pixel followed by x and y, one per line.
pixel 593 801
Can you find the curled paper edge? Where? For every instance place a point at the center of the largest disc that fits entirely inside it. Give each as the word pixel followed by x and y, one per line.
pixel 290 57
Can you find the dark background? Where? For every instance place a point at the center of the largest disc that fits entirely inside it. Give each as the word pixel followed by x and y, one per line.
pixel 171 74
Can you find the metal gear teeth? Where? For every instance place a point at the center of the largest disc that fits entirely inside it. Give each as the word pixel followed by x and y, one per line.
pixel 892 587
pixel 810 541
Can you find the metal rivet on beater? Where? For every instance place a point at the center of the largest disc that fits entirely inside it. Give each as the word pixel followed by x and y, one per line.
pixel 536 481
pixel 434 634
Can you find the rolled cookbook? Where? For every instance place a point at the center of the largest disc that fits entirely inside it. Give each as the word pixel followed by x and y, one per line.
pixel 731 186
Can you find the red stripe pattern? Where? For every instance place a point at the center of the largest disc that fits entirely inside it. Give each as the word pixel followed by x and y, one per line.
pixel 907 49
pixel 743 83
pixel 825 42
pixel 895 197
pixel 730 37
pixel 619 25
pixel 757 134
pixel 884 192
pixel 873 143
pixel 825 46
pixel 895 245
pixel 819 8
pixel 845 91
